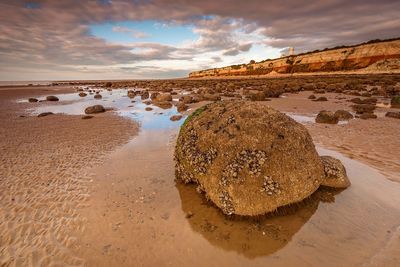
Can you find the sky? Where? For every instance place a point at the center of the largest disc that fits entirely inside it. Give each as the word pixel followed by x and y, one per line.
pixel 152 39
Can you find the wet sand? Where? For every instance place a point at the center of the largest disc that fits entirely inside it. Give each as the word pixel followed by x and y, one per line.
pixel 45 177
pixel 100 201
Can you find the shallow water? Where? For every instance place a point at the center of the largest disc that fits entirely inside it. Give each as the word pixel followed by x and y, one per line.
pixel 133 108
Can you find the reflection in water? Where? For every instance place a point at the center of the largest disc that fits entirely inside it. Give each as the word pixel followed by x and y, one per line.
pixel 251 237
pixel 133 108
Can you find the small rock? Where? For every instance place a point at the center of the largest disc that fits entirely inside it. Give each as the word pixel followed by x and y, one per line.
pixel 366 116
pixel 94 109
pixel 32 100
pixel 312 97
pixel 175 117
pixel 148 109
pixel 326 117
pixel 395 115
pixel 98 96
pixel 181 107
pixel 343 115
pixel 320 99
pixel 335 173
pixel 86 117
pixel 44 114
pixel 395 102
pixel 82 94
pixel 52 98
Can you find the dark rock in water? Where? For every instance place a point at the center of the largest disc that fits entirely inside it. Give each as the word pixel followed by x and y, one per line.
pixel 175 117
pixel 395 102
pixel 98 96
pixel 44 114
pixel 144 95
pixel 326 117
pixel 86 117
pixel 320 99
pixel 312 97
pixel 181 107
pixel 154 95
pixel 32 100
pixel 163 98
pixel 148 109
pixel 82 94
pixel 363 108
pixel 95 109
pixel 366 116
pixel 395 115
pixel 247 158
pixel 343 115
pixel 52 98
pixel 163 105
pixel 335 173
pixel 131 94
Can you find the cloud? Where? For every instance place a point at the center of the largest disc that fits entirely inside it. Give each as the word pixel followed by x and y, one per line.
pixel 134 33
pixel 56 36
pixel 237 50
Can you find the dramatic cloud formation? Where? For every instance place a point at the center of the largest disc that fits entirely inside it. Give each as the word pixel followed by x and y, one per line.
pixel 48 39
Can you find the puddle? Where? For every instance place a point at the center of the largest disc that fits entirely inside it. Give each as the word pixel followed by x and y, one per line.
pixel 134 108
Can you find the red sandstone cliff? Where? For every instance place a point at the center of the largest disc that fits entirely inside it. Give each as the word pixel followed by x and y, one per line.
pixel 374 56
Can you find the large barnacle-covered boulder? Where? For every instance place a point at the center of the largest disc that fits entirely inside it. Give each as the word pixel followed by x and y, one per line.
pixel 247 158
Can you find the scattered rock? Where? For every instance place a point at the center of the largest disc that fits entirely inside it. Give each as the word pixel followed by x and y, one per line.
pixel 326 117
pixel 181 107
pixel 44 114
pixel 95 109
pixel 86 117
pixel 186 99
pixel 98 96
pixel 335 173
pixel 321 98
pixel 144 95
pixel 163 105
pixel 395 102
pixel 148 109
pixel 52 98
pixel 343 115
pixel 175 117
pixel 163 98
pixel 395 115
pixel 33 100
pixel 82 94
pixel 363 108
pixel 312 97
pixel 366 116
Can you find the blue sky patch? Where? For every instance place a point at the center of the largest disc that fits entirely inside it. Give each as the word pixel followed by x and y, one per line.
pixel 144 31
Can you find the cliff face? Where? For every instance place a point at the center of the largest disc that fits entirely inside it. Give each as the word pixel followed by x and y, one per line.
pixel 383 56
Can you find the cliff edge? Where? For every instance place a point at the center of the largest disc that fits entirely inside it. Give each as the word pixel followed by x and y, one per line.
pixel 372 57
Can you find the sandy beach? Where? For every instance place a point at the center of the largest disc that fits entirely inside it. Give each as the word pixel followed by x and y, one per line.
pixel 102 191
